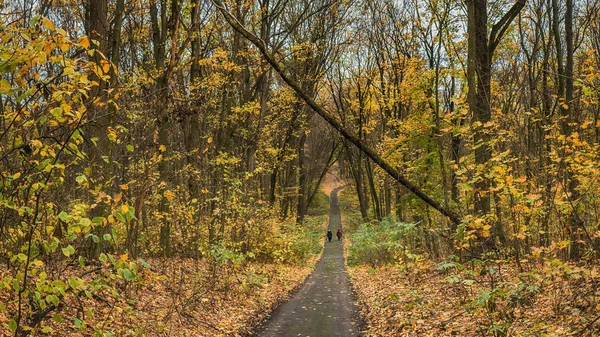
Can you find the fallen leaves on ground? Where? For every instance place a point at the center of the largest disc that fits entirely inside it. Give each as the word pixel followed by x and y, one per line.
pixel 430 299
pixel 178 297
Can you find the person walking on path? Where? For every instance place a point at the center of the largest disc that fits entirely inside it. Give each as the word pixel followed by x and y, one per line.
pixel 339 234
pixel 329 235
pixel 324 305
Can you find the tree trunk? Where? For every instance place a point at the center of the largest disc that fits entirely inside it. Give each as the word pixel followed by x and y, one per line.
pixel 302 181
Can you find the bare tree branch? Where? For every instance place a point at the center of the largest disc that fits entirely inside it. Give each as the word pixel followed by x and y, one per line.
pixel 499 29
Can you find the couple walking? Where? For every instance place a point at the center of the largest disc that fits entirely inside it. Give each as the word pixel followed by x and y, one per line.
pixel 330 234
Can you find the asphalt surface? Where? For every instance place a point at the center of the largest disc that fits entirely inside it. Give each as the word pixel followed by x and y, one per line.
pixel 324 305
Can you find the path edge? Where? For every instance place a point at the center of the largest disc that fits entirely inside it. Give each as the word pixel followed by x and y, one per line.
pixel 258 326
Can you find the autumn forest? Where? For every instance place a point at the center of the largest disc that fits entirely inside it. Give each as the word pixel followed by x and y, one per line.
pixel 171 167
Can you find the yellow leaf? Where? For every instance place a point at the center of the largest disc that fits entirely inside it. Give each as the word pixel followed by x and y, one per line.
pixel 500 170
pixel 4 87
pixel 66 108
pixel 124 257
pixel 105 66
pixel 124 187
pixel 169 195
pixel 16 175
pixel 162 148
pixel 49 25
pixel 84 42
pixel 124 208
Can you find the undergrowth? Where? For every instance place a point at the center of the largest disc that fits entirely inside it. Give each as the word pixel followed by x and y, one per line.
pixel 405 291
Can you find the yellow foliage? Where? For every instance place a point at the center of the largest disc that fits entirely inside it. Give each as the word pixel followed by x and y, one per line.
pixel 84 42
pixel 169 195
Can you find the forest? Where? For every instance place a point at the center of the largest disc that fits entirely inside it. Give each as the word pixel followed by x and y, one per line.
pixel 166 165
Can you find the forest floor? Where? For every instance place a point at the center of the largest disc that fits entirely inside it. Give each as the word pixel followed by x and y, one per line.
pixel 324 306
pixel 433 299
pixel 177 297
pixel 418 295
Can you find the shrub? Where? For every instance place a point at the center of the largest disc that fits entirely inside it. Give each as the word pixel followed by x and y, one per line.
pixel 290 242
pixel 377 244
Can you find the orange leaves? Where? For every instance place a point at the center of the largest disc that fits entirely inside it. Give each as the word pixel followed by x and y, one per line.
pixel 169 195
pixel 84 42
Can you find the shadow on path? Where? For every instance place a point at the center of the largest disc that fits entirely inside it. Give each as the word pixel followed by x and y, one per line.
pixel 324 305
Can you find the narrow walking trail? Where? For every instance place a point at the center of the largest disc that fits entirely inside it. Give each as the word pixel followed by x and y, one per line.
pixel 324 305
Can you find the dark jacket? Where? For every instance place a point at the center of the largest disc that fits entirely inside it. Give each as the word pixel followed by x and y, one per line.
pixel 329 234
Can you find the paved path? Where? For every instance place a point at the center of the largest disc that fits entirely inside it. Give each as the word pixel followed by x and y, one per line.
pixel 324 305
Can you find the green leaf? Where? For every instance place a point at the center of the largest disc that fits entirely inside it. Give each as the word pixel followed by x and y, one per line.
pixel 16 285
pixel 78 323
pixel 12 325
pixel 81 262
pixel 107 237
pixel 68 251
pixel 34 20
pixel 63 216
pixel 129 148
pixel 74 282
pixel 144 263
pixel 128 274
pixel 81 179
pixel 59 287
pixel 133 267
pixel 102 257
pixel 94 237
pixel 52 299
pixel 21 257
pixel 85 222
pixel 120 217
pixel 57 112
pixel 98 220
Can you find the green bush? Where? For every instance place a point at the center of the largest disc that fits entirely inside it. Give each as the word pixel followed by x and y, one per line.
pixel 307 238
pixel 377 244
pixel 319 205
